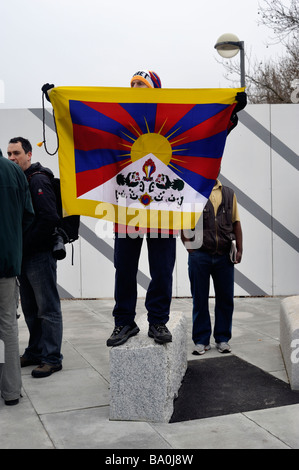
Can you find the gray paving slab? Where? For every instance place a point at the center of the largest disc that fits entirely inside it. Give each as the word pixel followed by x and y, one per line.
pixel 67 390
pixel 280 422
pixel 21 427
pixel 70 409
pixel 223 432
pixel 91 429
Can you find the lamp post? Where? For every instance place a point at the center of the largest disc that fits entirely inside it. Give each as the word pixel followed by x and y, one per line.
pixel 228 45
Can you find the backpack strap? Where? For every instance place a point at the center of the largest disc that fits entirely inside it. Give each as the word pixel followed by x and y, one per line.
pixel 36 173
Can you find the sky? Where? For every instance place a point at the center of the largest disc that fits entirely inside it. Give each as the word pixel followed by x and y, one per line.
pixel 103 42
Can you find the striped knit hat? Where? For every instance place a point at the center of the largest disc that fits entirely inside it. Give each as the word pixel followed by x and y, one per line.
pixel 151 79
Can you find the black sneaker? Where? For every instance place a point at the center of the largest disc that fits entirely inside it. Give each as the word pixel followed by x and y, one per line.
pixel 121 334
pixel 160 333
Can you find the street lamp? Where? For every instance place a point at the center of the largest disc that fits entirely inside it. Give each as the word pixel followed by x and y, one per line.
pixel 228 45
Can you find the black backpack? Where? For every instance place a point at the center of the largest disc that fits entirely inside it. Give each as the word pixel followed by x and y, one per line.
pixel 70 224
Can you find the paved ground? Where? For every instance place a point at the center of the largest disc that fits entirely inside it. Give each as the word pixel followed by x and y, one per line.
pixel 70 409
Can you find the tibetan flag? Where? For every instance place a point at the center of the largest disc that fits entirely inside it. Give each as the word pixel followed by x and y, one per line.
pixel 138 156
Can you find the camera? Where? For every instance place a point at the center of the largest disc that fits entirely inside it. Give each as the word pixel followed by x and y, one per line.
pixel 59 251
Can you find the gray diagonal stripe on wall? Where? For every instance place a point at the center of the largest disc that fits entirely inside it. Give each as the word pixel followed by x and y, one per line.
pixel 263 216
pixel 248 285
pixel 106 250
pixel 266 136
pixel 49 120
pixel 64 294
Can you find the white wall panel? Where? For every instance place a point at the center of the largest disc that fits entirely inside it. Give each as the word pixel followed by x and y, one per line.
pixel 246 160
pixel 181 282
pixel 68 274
pixel 285 196
pixel 256 262
pixel 285 269
pixel 284 176
pixel 97 271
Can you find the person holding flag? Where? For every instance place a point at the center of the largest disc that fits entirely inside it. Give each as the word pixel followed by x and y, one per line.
pixel 161 247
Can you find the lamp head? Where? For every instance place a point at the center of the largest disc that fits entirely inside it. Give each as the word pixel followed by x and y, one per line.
pixel 228 45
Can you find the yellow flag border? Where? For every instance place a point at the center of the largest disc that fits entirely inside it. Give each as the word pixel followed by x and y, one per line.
pixel 60 97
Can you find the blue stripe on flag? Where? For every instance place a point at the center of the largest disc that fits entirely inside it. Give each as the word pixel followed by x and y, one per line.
pixel 201 184
pixel 93 159
pixel 198 114
pixel 83 115
pixel 212 147
pixel 142 113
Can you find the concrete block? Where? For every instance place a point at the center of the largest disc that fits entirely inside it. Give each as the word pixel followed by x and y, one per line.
pixel 145 376
pixel 289 338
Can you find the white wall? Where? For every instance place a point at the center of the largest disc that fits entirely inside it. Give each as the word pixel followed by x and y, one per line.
pixel 260 162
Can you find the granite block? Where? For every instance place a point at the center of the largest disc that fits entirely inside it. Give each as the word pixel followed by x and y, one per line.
pixel 145 376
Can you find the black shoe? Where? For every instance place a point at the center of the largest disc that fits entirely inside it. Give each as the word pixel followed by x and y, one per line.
pixel 160 333
pixel 44 370
pixel 25 361
pixel 121 334
pixel 11 402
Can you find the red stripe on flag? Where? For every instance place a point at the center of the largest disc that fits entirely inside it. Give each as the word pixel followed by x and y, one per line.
pixel 169 114
pixel 217 123
pixel 90 179
pixel 87 138
pixel 206 167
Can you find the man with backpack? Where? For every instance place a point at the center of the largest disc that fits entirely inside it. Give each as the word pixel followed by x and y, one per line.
pixel 38 286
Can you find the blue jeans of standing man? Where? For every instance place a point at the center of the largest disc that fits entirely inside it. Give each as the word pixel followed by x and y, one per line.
pixel 161 256
pixel 202 266
pixel 41 307
pixel 10 368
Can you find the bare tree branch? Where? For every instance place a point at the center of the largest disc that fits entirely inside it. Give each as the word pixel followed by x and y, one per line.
pixel 282 19
pixel 270 81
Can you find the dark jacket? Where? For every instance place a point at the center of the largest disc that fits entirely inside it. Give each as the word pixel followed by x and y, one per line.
pixel 16 216
pixel 40 237
pixel 218 231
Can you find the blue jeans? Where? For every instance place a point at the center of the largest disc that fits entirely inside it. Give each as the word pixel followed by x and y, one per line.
pixel 161 256
pixel 202 266
pixel 41 307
